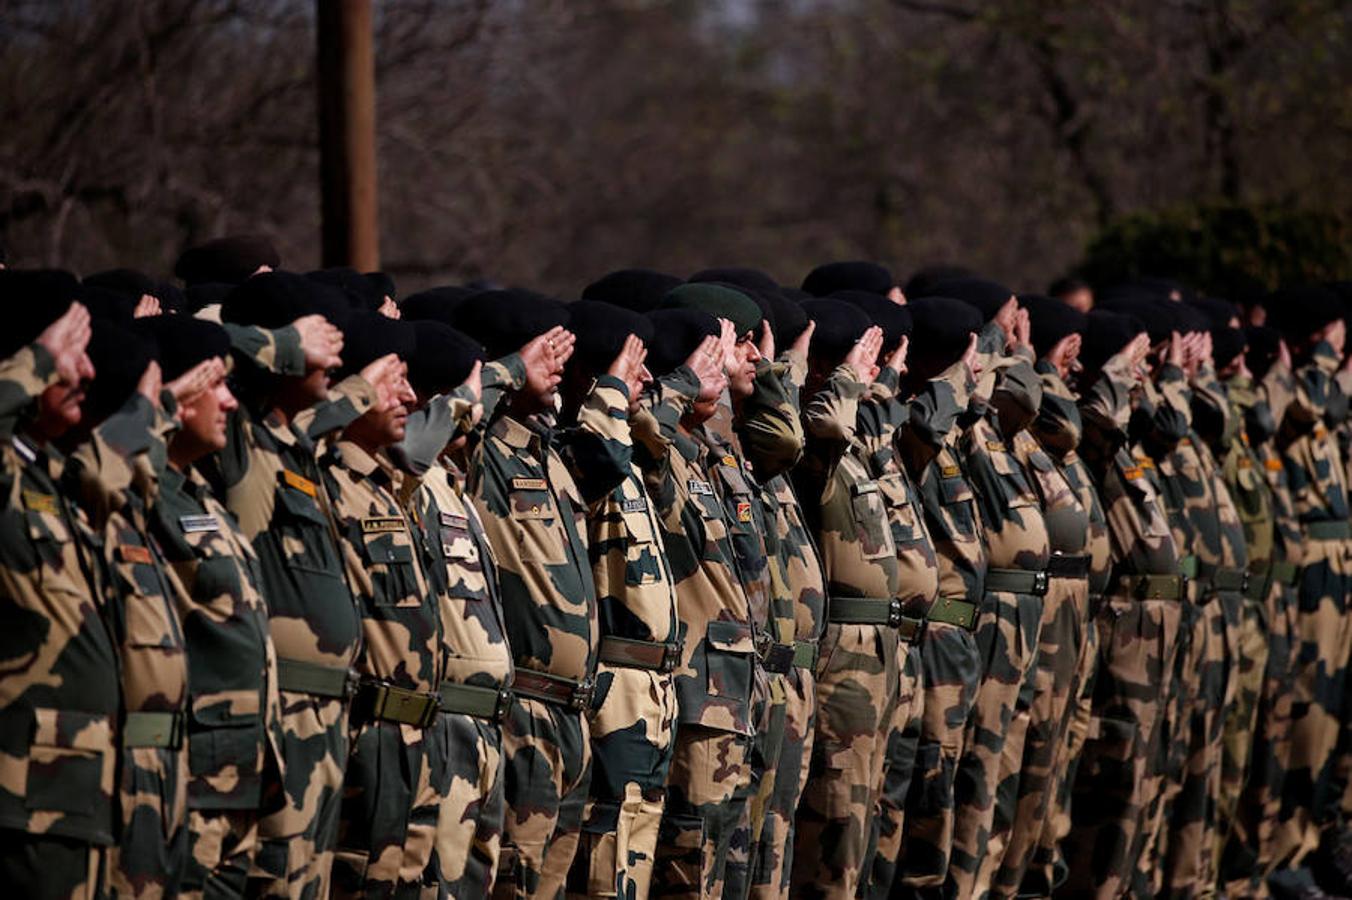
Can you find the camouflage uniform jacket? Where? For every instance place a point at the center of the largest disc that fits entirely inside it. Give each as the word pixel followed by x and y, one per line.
pixel 234 731
pixel 713 682
pixel 400 620
pixel 850 518
pixel 1258 431
pixel 444 417
pixel 1057 430
pixel 1309 450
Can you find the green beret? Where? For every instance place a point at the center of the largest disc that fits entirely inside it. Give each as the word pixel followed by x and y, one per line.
pixel 720 302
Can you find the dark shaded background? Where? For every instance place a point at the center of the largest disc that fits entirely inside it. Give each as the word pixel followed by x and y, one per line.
pixel 544 142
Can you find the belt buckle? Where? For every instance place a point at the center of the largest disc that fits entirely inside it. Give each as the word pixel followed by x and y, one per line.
pixel 582 695
pixel 671 658
pixel 177 730
pixel 911 629
pixel 1040 582
pixel 351 683
pixel 503 706
pixel 894 617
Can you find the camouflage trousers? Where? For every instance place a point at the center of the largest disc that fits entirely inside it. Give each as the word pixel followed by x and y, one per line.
pixel 1137 643
pixel 1047 868
pixel 772 856
pixel 1320 646
pixel 1237 740
pixel 295 855
pixel 1249 853
pixel 631 741
pixel 889 822
pixel 1184 864
pixel 1007 640
pixel 222 846
pixel 388 821
pixel 52 867
pixel 1027 781
pixel 858 675
pixel 709 769
pixel 770 705
pixel 547 756
pixel 464 759
pixel 950 673
pixel 151 853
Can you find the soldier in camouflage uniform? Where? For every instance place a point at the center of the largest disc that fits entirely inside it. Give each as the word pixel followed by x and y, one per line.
pixel 713 681
pixel 1275 551
pixel 234 729
pixel 1311 320
pixel 1137 623
pixel 60 709
pixel 1058 429
pixel 533 512
pixel 944 342
pixel 858 676
pixel 1026 780
pixel 268 478
pixel 1015 539
pixel 634 711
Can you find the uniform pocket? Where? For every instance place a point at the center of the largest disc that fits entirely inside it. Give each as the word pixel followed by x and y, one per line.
pixel 66 760
pixel 870 518
pixel 729 659
pixel 956 496
pixel 641 557
pixel 390 566
pixel 538 528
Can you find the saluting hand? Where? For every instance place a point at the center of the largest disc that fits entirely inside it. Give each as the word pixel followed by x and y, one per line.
pixel 707 364
pixel 196 380
pixel 864 353
pixel 66 340
pixel 321 342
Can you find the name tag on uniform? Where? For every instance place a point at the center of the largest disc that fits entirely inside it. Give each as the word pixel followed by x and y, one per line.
pixel 194 524
pixel 697 487
pixel 451 520
pixel 381 524
pixel 529 484
pixel 40 502
pixel 634 505
pixel 299 482
pixel 130 553
pixel 950 471
pixel 743 511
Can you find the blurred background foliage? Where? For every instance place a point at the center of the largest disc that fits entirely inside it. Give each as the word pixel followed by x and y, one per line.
pixel 544 142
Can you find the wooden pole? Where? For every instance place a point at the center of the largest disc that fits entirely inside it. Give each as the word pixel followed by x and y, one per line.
pixel 347 134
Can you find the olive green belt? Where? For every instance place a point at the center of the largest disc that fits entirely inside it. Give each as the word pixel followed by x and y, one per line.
pixel 1329 530
pixel 632 653
pixel 1154 587
pixel 312 678
pixel 153 729
pixel 1017 581
pixel 954 611
pixel 874 611
pixel 1263 577
pixel 1221 578
pixel 389 703
pixel 472 700
pixel 805 654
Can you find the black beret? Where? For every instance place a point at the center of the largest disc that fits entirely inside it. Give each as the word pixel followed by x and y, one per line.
pixel 1164 288
pixel 893 318
pixel 601 331
pixel 208 293
pixel 1226 345
pixel 437 304
pixel 120 357
pixel 676 334
pixel 356 287
pixel 505 321
pixel 789 318
pixel 839 327
pixel 382 283
pixel 1218 312
pixel 172 298
pixel 739 276
pixel 1299 312
pixel 797 295
pixel 1050 321
pixel 720 301
pixel 984 295
pixel 227 259
pixel 1105 334
pixel 442 357
pixel 830 277
pixel 32 299
pixel 1264 345
pixel 641 290
pixel 182 342
pixel 108 304
pixel 923 282
pixel 367 336
pixel 943 327
pixel 274 299
pixel 124 281
pixel 1161 317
